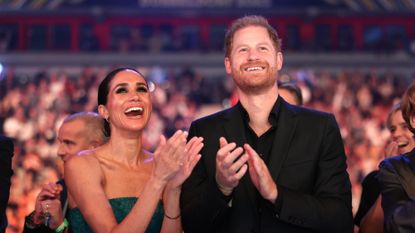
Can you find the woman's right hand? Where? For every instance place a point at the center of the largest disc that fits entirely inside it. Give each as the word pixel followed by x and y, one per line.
pixel 169 156
pixel 192 156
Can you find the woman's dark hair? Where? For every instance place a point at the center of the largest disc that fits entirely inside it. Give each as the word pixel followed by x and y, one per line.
pixel 104 88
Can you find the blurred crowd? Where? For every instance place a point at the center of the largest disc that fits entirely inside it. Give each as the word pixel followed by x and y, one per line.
pixel 33 107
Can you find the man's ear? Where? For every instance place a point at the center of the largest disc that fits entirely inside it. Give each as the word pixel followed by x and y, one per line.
pixel 280 60
pixel 228 65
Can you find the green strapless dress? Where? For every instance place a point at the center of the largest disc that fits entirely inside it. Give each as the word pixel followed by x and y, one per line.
pixel 121 207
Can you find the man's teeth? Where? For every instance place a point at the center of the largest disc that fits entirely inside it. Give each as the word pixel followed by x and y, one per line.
pixel 134 109
pixel 254 68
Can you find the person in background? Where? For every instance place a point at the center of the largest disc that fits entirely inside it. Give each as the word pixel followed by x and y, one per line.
pixel 267 166
pixel 290 92
pixel 79 131
pixel 6 172
pixel 369 216
pixel 119 186
pixel 397 179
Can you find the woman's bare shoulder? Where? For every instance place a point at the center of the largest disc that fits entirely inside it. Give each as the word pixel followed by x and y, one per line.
pixel 85 160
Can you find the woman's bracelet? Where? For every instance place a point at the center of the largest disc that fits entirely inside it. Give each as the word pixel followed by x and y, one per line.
pixel 62 227
pixel 172 218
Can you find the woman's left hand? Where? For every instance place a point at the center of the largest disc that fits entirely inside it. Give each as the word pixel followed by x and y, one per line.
pixel 191 158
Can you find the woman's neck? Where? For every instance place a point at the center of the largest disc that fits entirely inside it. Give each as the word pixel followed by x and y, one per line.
pixel 126 147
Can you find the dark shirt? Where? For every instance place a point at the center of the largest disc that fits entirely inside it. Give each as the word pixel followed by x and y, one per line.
pixel 262 144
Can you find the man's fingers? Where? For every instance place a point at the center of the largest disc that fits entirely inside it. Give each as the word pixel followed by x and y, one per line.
pixel 238 163
pixel 249 149
pixel 231 157
pixel 224 151
pixel 222 142
pixel 254 159
pixel 241 172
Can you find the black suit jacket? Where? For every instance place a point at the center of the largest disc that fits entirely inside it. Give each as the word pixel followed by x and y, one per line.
pixel 44 229
pixel 397 182
pixel 307 163
pixel 6 172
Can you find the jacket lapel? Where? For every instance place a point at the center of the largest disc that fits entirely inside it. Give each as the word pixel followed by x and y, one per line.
pixel 286 125
pixel 234 130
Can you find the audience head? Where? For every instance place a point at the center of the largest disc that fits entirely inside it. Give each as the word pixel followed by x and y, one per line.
pixel 80 131
pixel 124 100
pixel 399 129
pixel 408 106
pixel 290 92
pixel 251 20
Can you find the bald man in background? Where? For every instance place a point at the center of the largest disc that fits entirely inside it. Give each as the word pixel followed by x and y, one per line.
pixel 79 131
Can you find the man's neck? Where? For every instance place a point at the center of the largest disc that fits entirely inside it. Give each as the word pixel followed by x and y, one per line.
pixel 259 107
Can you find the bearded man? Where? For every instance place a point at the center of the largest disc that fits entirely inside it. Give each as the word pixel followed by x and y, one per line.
pixel 267 166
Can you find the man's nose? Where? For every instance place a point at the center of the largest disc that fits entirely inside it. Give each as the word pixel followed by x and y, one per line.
pixel 61 151
pixel 253 55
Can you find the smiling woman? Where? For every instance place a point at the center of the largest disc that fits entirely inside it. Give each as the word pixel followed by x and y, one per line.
pixel 120 187
pixel 126 100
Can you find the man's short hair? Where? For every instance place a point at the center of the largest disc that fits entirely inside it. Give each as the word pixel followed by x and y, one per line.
pixel 94 125
pixel 250 20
